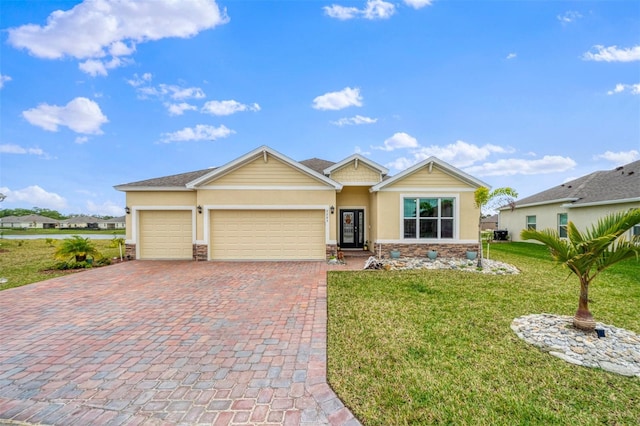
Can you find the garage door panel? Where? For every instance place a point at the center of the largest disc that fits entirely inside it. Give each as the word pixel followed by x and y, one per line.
pixel 166 234
pixel 267 234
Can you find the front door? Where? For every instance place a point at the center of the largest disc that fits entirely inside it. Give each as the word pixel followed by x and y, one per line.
pixel 351 228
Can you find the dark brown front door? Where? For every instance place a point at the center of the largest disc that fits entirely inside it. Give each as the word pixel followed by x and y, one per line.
pixel 351 228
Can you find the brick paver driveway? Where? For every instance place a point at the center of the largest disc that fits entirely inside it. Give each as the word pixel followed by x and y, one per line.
pixel 169 343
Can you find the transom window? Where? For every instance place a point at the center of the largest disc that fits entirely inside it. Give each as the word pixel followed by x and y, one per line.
pixel 431 218
pixel 531 223
pixel 562 225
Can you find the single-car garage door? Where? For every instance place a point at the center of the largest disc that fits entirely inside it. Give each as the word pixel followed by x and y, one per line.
pixel 166 234
pixel 267 234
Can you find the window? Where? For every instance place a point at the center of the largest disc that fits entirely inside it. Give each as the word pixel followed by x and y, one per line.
pixel 562 225
pixel 428 218
pixel 635 231
pixel 531 223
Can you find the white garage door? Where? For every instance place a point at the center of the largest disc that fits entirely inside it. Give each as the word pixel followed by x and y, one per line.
pixel 267 234
pixel 166 234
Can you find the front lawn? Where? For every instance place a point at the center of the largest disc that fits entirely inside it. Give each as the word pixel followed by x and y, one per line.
pixel 27 261
pixel 435 347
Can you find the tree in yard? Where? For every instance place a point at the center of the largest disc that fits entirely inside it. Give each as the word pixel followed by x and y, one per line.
pixel 586 254
pixel 486 199
pixel 77 248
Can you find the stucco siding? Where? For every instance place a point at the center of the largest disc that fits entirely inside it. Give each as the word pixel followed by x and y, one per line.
pixel 349 174
pixel 273 172
pixel 547 216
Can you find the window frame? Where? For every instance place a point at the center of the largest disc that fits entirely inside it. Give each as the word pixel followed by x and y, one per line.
pixel 562 226
pixel 531 226
pixel 455 217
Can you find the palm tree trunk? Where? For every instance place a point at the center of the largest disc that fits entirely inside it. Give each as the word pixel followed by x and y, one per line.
pixel 583 318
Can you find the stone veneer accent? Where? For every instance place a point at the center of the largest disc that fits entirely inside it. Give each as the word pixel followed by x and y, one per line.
pixel 200 252
pixel 331 250
pixel 420 250
pixel 130 251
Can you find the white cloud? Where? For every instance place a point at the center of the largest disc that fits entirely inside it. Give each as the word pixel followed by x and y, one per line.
pixel 356 120
pixel 108 208
pixel 511 56
pixel 460 153
pixel 634 89
pixel 418 4
pixel 619 158
pixel 569 17
pixel 179 109
pixel 81 139
pixel 379 9
pixel 17 149
pixel 338 100
pixel 399 140
pixel 81 115
pixel 99 29
pixel 201 132
pixel 35 196
pixel 228 107
pixel 341 12
pixel 3 80
pixel 374 9
pixel 137 80
pixel 172 91
pixel 613 54
pixel 518 166
pixel 359 150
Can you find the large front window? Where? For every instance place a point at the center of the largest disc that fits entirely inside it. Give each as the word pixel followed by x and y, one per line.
pixel 431 218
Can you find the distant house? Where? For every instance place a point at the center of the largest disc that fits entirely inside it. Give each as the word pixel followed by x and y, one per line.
pixel 489 223
pixel 582 201
pixel 113 223
pixel 84 222
pixel 29 221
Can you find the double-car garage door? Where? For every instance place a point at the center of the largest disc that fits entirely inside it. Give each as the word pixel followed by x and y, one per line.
pixel 267 234
pixel 235 234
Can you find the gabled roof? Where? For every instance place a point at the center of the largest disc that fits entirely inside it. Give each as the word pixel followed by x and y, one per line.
pixel 172 182
pixel 82 219
pixel 262 151
pixel 317 164
pixel 621 184
pixel 358 158
pixel 120 219
pixel 429 162
pixel 28 218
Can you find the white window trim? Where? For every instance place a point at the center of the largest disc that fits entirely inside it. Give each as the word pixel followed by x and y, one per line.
pixel 456 217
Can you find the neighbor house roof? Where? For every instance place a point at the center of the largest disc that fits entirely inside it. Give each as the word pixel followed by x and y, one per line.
pixel 82 219
pixel 120 219
pixel 317 164
pixel 621 184
pixel 28 218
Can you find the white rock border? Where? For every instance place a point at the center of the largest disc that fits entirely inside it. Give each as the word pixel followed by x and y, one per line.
pixel 618 352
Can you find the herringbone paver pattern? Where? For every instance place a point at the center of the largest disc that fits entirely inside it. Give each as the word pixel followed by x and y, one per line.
pixel 151 343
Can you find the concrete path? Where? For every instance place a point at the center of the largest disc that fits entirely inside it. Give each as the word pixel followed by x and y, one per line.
pixel 154 343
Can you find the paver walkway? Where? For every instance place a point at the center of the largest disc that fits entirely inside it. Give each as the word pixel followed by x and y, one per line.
pixel 152 343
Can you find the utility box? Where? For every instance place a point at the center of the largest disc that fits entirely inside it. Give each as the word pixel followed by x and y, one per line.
pixel 501 235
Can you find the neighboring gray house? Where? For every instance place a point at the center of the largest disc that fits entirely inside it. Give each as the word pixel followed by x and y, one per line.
pixel 113 223
pixel 582 201
pixel 489 223
pixel 28 221
pixel 81 222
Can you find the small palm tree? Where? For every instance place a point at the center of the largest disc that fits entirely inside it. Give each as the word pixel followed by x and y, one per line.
pixel 77 248
pixel 589 253
pixel 484 198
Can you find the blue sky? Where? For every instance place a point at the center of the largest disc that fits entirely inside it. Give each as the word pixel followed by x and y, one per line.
pixel 526 94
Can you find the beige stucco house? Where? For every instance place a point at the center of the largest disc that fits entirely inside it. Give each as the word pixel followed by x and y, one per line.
pixel 266 206
pixel 582 201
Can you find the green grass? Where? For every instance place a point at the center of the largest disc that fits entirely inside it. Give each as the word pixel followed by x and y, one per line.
pixel 435 347
pixel 27 261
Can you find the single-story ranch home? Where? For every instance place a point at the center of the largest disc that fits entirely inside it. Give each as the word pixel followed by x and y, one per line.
pixel 582 201
pixel 266 206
